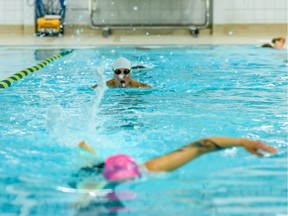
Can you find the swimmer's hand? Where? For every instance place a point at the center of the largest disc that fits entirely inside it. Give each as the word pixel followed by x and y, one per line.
pixel 254 147
pixel 85 146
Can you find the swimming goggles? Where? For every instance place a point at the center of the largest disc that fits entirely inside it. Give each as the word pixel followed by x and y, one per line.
pixel 126 71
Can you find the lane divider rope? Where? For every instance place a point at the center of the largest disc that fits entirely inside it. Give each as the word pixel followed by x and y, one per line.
pixel 8 81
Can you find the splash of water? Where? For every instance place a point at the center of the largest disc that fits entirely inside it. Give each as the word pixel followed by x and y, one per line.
pixel 97 98
pixel 69 127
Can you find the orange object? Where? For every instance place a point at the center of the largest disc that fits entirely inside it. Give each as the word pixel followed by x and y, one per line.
pixel 44 24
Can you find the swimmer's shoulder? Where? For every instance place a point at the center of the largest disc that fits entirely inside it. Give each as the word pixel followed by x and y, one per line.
pixel 110 83
pixel 134 83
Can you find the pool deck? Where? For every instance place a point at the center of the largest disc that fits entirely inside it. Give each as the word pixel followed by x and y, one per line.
pixel 86 41
pixel 82 37
pixel 89 41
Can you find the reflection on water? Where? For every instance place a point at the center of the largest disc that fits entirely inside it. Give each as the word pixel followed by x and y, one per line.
pixel 126 108
pixel 42 54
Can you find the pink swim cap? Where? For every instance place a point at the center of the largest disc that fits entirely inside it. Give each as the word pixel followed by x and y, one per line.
pixel 120 166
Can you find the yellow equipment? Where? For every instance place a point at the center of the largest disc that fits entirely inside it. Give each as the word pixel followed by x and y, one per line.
pixel 49 24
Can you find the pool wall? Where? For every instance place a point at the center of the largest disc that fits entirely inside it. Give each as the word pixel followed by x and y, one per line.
pixel 254 20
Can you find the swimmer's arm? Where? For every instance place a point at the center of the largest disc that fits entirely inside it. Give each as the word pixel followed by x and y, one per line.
pixel 108 83
pixel 191 151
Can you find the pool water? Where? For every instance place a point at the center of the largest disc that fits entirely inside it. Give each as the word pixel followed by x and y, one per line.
pixel 199 91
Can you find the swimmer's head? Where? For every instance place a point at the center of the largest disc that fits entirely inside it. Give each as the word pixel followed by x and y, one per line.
pixel 279 42
pixel 122 72
pixel 120 167
pixel 280 39
pixel 121 63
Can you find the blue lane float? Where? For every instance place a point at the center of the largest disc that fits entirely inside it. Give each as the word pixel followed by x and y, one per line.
pixel 8 81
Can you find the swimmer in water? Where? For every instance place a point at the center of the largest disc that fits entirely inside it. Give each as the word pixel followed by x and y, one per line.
pixel 122 70
pixel 113 169
pixel 277 43
pixel 119 168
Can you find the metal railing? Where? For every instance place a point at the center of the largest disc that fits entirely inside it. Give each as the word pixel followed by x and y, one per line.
pixel 149 14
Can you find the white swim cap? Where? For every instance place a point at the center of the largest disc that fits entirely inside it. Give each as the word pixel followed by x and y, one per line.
pixel 121 63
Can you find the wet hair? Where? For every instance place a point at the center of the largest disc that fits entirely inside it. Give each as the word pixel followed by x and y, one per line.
pixel 267 45
pixel 278 39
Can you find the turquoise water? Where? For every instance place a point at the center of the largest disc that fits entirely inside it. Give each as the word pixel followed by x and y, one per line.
pixel 199 91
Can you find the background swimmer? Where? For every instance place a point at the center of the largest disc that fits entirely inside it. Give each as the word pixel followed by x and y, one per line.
pixel 123 76
pixel 277 43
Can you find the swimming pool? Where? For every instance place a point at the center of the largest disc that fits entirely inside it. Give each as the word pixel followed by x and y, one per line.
pixel 198 91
